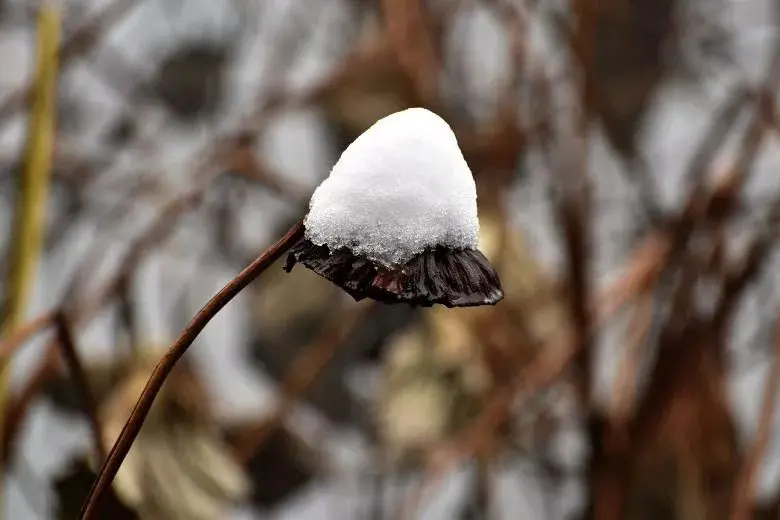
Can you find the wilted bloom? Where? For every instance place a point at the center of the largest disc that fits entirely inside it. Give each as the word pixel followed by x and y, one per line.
pixel 396 220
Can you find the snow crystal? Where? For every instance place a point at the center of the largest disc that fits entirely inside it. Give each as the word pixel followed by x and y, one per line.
pixel 401 187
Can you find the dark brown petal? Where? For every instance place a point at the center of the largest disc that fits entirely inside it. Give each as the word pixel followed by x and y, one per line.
pixel 454 278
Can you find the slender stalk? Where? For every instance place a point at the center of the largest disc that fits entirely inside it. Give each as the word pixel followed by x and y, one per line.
pixel 745 487
pixel 21 333
pixel 29 221
pixel 377 495
pixel 76 368
pixel 482 488
pixel 132 427
pixel 18 403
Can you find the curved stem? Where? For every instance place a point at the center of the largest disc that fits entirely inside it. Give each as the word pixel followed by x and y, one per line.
pixel 11 343
pixel 132 427
pixel 76 368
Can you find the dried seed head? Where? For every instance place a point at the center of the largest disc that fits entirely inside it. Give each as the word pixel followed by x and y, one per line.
pixel 396 220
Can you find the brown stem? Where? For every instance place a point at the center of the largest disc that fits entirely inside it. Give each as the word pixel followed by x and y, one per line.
pixel 746 482
pixel 76 369
pixel 482 485
pixel 624 392
pixel 413 46
pixel 9 344
pixel 132 427
pixel 17 409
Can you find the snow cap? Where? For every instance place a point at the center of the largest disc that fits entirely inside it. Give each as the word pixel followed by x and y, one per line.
pixel 401 187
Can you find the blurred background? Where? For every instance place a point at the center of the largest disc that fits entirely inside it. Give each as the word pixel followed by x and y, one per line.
pixel 626 155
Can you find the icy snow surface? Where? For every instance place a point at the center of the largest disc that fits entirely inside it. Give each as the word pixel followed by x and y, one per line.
pixel 401 187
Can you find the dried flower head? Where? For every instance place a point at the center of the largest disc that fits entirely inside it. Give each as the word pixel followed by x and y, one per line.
pixel 396 220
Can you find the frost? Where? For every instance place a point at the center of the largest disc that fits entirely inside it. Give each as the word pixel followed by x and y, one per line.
pixel 401 187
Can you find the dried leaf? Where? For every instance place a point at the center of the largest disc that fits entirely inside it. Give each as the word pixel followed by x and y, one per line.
pixel 179 466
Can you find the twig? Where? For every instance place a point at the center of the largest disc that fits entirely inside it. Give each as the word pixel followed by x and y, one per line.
pixel 572 211
pixel 9 345
pixel 746 481
pixel 76 368
pixel 128 318
pixel 380 483
pixel 642 270
pixel 483 498
pixel 132 427
pixel 18 405
pixel 623 394
pixel 580 41
pixel 413 46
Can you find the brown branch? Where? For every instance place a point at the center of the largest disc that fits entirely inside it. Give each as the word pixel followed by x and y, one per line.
pixel 76 368
pixel 572 210
pixel 9 345
pixel 744 491
pixel 738 277
pixel 17 409
pixel 624 392
pixel 638 276
pixel 413 46
pixel 132 427
pixel 483 498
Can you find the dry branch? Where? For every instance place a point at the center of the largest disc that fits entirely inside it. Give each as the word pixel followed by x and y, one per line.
pixel 76 368
pixel 745 489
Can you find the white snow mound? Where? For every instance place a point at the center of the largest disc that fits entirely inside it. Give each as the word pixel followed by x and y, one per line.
pixel 401 187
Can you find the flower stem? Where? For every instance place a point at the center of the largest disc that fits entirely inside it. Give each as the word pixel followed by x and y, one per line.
pixel 132 427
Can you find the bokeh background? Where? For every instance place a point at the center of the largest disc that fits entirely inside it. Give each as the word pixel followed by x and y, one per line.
pixel 626 155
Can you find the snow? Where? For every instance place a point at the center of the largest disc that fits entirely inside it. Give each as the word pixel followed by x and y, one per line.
pixel 401 187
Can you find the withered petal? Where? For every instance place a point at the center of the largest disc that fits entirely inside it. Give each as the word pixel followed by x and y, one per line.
pixel 453 278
